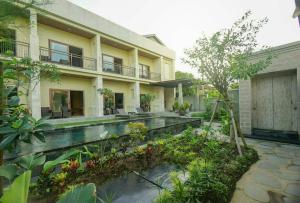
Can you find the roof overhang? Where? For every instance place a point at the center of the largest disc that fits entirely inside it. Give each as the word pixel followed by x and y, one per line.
pixel 173 83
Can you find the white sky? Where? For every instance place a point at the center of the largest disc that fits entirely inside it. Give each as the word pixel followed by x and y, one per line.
pixel 178 23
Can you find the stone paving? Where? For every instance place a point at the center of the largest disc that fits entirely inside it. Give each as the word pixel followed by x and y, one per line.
pixel 275 178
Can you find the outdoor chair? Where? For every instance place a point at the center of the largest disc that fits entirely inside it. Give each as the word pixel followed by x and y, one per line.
pixel 66 113
pixel 56 114
pixel 122 114
pixel 46 112
pixel 141 112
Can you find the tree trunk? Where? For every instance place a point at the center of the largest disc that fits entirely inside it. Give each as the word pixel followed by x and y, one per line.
pixel 214 112
pixel 235 133
pixel 2 105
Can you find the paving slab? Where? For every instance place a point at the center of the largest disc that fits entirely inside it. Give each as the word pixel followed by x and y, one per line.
pixel 274 178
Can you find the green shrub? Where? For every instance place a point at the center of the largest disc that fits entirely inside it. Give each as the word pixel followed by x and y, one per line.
pixel 137 132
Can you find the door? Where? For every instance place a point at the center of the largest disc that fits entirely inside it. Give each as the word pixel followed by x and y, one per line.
pixel 119 100
pixel 76 56
pixel 274 103
pixel 76 100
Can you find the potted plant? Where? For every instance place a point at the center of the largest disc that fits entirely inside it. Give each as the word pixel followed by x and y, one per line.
pixel 183 108
pixel 146 100
pixel 108 96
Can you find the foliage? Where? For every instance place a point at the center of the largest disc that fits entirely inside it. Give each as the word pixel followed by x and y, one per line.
pixel 183 108
pixel 137 132
pixel 108 97
pixel 82 193
pixel 18 190
pixel 225 122
pixel 146 100
pixel 176 106
pixel 188 91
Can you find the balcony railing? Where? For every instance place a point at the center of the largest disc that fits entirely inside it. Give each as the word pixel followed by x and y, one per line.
pixel 150 75
pixel 19 49
pixel 68 59
pixel 118 69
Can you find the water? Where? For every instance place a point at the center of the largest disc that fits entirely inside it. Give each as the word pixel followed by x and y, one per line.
pixel 59 139
pixel 131 188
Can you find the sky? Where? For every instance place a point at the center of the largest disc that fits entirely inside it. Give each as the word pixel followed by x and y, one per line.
pixel 179 23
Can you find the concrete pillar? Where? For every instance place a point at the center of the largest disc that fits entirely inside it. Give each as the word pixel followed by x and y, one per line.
pixel 97 52
pixel 180 95
pixel 136 95
pixel 134 61
pixel 35 98
pixel 160 64
pixel 98 84
pixel 298 99
pixel 245 106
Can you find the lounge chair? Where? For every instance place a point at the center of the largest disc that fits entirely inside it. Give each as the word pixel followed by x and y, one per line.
pixel 122 114
pixel 56 114
pixel 141 112
pixel 46 112
pixel 66 113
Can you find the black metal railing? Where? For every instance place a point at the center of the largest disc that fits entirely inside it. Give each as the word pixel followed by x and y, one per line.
pixel 118 69
pixel 68 59
pixel 18 49
pixel 145 74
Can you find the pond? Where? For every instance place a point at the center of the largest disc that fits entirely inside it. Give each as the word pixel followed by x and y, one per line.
pixel 63 139
pixel 131 188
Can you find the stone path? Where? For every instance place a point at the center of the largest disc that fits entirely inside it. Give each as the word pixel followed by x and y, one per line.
pixel 275 178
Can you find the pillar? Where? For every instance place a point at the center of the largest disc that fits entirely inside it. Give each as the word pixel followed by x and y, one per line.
pixel 245 106
pixel 134 61
pixel 35 93
pixel 136 95
pixel 98 84
pixel 97 52
pixel 298 99
pixel 180 95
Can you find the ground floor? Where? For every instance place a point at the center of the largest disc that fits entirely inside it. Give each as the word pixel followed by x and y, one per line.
pixel 76 96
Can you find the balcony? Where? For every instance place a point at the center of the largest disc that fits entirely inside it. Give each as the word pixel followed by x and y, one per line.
pixel 118 69
pixel 68 59
pixel 150 75
pixel 19 49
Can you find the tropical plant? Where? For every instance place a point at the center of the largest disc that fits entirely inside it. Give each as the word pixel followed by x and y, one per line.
pixel 176 106
pixel 183 108
pixel 108 97
pixel 224 58
pixel 137 133
pixel 146 100
pixel 189 91
pixel 18 190
pixel 82 193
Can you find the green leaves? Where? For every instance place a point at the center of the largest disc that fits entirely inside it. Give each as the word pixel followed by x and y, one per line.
pixel 83 193
pixel 61 159
pixel 18 190
pixel 8 171
pixel 31 161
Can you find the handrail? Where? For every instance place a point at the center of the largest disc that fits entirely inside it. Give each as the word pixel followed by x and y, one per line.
pixel 150 75
pixel 19 49
pixel 118 69
pixel 47 54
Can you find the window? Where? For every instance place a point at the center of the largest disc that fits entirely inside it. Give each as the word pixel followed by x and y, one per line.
pixel 144 71
pixel 59 99
pixel 8 44
pixel 112 64
pixel 66 54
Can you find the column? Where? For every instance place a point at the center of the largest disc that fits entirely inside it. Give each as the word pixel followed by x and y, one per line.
pixel 245 106
pixel 96 43
pixel 98 84
pixel 35 98
pixel 180 95
pixel 160 65
pixel 298 99
pixel 136 95
pixel 134 61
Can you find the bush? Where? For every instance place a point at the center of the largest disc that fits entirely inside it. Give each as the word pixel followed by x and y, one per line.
pixel 137 132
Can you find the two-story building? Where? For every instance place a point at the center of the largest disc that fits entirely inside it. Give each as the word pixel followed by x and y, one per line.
pixel 92 53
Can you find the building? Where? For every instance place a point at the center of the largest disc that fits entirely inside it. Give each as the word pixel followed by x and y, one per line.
pixel 93 53
pixel 271 100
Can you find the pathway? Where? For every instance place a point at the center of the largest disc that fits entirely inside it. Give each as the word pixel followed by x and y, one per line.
pixel 275 178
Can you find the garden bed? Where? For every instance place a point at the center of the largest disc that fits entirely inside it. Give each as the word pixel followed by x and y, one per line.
pixel 213 167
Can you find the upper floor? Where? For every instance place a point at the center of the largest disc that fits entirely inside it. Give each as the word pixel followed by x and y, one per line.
pixel 88 44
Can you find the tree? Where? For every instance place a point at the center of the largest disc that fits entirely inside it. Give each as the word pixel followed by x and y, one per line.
pixel 188 91
pixel 225 58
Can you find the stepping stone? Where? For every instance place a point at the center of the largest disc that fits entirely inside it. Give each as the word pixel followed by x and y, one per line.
pixel 267 165
pixel 293 189
pixel 294 168
pixel 266 179
pixel 276 197
pixel 288 175
pixel 256 192
pixel 240 197
pixel 278 160
pixel 289 200
pixel 296 161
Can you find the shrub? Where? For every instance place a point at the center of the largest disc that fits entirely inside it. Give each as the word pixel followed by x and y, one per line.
pixel 137 132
